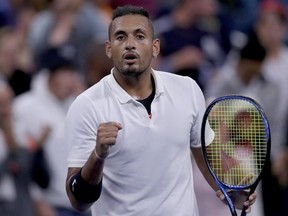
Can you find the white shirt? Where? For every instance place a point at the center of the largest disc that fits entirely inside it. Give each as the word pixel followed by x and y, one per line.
pixel 35 110
pixel 148 171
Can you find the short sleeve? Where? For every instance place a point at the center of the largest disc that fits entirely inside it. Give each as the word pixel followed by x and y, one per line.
pixel 81 128
pixel 199 105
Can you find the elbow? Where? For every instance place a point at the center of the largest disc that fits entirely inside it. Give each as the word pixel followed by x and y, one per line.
pixel 81 207
pixel 82 198
pixel 81 194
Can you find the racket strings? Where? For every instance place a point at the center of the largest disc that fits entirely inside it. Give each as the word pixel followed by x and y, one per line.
pixel 238 152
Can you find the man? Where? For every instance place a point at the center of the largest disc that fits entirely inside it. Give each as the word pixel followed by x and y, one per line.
pixel 68 23
pixel 15 162
pixel 40 115
pixel 130 134
pixel 271 28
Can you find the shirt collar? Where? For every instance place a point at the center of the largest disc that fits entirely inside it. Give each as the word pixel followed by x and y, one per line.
pixel 123 96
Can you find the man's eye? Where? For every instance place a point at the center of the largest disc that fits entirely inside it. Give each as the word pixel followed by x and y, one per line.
pixel 140 37
pixel 120 37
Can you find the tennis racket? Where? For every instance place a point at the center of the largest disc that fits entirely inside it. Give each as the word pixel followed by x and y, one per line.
pixel 241 147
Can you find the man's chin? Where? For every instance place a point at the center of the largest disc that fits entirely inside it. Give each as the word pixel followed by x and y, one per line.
pixel 131 71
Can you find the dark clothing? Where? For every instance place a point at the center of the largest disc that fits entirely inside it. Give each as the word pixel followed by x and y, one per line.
pixel 20 82
pixel 209 42
pixel 18 165
pixel 275 198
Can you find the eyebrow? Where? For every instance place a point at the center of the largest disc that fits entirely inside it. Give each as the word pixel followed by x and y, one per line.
pixel 119 33
pixel 139 30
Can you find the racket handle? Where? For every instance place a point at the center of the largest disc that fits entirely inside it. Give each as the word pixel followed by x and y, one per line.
pixel 243 213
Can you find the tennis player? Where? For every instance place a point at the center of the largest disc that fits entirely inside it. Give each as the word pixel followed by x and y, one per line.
pixel 130 135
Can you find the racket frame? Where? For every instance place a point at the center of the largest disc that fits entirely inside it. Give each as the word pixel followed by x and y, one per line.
pixel 223 186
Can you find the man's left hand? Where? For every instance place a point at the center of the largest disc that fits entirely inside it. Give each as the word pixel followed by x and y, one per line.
pixel 239 198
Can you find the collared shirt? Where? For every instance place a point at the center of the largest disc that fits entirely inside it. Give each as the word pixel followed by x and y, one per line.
pixel 148 170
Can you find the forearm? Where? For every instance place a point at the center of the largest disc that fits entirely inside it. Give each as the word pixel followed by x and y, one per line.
pixel 92 171
pixel 91 174
pixel 198 156
pixel 84 184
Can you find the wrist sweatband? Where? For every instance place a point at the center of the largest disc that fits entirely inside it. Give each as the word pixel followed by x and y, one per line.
pixel 84 192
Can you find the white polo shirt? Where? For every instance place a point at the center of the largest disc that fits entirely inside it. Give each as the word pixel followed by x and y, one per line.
pixel 148 172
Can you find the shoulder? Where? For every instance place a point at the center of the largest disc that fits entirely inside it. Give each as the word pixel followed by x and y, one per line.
pixel 172 80
pixel 24 101
pixel 97 90
pixel 168 75
pixel 179 87
pixel 91 97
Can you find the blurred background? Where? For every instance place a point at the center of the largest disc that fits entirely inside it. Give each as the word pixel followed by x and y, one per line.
pixel 52 50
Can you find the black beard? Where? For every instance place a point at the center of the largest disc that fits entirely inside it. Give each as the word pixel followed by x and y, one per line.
pixel 131 72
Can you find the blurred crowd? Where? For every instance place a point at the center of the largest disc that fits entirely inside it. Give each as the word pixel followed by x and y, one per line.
pixel 52 50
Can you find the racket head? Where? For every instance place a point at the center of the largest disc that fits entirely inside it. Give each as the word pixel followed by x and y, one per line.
pixel 241 147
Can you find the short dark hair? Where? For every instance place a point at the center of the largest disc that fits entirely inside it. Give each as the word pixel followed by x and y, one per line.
pixel 55 58
pixel 130 10
pixel 253 49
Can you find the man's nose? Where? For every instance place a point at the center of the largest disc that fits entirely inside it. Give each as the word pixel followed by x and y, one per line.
pixel 130 43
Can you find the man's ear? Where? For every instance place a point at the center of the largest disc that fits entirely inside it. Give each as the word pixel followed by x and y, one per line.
pixel 156 48
pixel 108 49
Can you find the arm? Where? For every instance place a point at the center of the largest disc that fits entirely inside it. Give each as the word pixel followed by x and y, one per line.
pixel 198 156
pixel 89 178
pixel 91 173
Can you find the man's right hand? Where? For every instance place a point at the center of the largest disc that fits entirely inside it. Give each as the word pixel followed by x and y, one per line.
pixel 106 137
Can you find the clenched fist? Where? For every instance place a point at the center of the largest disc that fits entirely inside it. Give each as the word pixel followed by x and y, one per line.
pixel 106 137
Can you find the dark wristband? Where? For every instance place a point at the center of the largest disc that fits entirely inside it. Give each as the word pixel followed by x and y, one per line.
pixel 84 192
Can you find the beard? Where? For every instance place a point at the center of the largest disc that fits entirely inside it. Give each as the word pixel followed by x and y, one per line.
pixel 131 70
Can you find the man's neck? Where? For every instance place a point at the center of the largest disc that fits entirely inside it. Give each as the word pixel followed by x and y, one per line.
pixel 137 87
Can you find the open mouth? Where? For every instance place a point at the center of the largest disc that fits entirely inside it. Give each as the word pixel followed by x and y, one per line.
pixel 130 58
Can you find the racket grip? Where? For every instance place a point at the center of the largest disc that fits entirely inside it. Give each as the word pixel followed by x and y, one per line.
pixel 243 213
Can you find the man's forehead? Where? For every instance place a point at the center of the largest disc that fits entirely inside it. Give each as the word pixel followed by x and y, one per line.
pixel 130 22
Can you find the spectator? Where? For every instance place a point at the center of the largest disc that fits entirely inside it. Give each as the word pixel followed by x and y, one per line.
pixel 74 24
pixel 43 110
pixel 188 46
pixel 240 14
pixel 15 58
pixel 15 163
pixel 245 76
pixel 271 28
pixel 25 68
